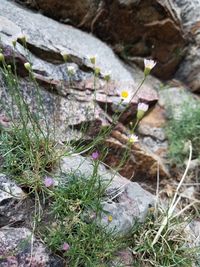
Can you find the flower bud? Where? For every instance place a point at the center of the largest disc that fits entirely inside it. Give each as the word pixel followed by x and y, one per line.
pixel 1 57
pixel 149 64
pixel 27 66
pixel 142 108
pixel 97 71
pixel 14 42
pixel 64 55
pixel 93 59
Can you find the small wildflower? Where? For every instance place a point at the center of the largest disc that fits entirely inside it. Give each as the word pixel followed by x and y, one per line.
pixel 107 76
pixel 125 95
pixel 110 218
pixel 22 37
pixel 71 70
pixel 64 54
pixel 65 246
pixel 142 108
pixel 95 155
pixel 27 66
pixel 1 57
pixel 92 59
pixel 133 139
pixel 97 70
pixel 14 42
pixel 48 181
pixel 149 64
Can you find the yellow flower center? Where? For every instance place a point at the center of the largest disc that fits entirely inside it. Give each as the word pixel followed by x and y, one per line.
pixel 110 218
pixel 124 94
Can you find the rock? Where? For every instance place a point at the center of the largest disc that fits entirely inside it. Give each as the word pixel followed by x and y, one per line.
pixel 18 247
pixel 190 20
pixel 126 201
pixel 152 133
pixel 145 28
pixel 123 258
pixel 141 165
pixel 173 100
pixel 13 203
pixel 69 101
pixel 67 96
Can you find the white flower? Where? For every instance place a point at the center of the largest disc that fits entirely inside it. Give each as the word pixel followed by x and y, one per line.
pixel 149 63
pixel 125 95
pixel 71 70
pixel 22 37
pixel 143 107
pixel 133 138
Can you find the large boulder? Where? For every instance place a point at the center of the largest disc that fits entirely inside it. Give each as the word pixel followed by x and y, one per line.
pixel 190 20
pixel 135 29
pixel 70 101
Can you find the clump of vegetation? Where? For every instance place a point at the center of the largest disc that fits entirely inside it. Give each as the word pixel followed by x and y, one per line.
pixel 180 131
pixel 74 205
pixel 75 233
pixel 171 249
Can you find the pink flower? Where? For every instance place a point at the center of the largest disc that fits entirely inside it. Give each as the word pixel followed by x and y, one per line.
pixel 65 246
pixel 48 181
pixel 95 155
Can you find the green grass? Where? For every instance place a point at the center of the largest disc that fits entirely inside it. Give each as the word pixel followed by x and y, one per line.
pixel 172 248
pixel 70 212
pixel 76 208
pixel 180 131
pixel 27 159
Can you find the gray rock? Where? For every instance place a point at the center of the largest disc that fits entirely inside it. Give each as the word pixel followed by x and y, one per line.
pixel 188 71
pixel 13 203
pixel 173 99
pixel 18 247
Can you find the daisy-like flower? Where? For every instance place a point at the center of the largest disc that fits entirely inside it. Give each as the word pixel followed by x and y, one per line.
pixel 125 95
pixel 149 64
pixel 133 139
pixel 141 109
pixel 65 246
pixel 71 70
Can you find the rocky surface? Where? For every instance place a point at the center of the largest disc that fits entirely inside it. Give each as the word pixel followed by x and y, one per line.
pixel 190 19
pixel 145 28
pixel 18 248
pixel 165 30
pixel 13 204
pixel 126 201
pixel 69 100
